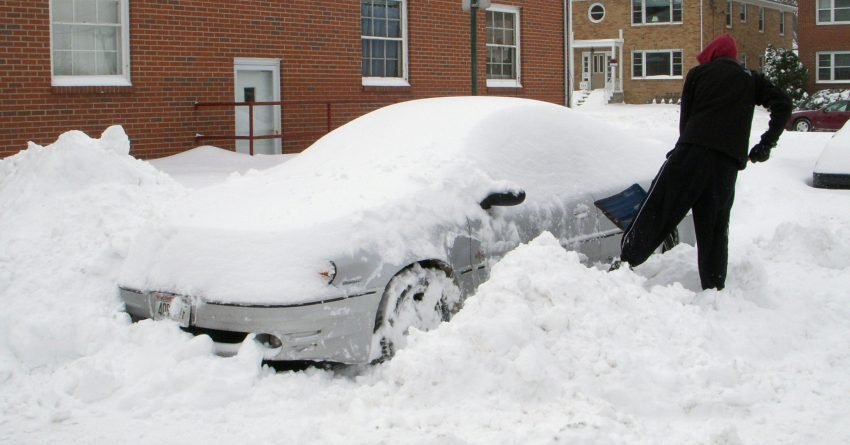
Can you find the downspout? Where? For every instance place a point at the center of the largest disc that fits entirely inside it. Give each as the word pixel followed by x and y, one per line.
pixel 701 28
pixel 568 52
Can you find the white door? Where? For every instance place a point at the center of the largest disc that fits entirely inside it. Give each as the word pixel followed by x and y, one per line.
pixel 600 76
pixel 258 80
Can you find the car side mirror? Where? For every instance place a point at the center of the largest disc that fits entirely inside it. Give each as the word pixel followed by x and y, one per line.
pixel 507 198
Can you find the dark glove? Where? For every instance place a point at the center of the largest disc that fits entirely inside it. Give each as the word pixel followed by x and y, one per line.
pixel 760 152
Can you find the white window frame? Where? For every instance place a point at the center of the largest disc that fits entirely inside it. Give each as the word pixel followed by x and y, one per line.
pixel 590 17
pixel 743 12
pixel 728 13
pixel 831 10
pixel 743 60
pixel 643 21
pixel 121 79
pixel 643 64
pixel 509 83
pixel 831 66
pixel 761 19
pixel 401 81
pixel 782 23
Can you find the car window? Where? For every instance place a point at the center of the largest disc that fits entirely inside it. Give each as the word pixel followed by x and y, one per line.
pixel 838 106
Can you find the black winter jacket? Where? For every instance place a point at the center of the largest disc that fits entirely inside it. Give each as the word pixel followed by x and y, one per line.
pixel 718 101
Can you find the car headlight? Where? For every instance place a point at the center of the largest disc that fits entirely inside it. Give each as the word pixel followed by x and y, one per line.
pixel 328 272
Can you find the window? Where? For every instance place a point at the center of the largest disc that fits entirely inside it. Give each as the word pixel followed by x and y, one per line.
pixel 833 11
pixel 838 107
pixel 503 46
pixel 89 42
pixel 663 64
pixel 599 63
pixel 834 67
pixel 743 13
pixel 650 12
pixel 781 23
pixel 596 13
pixel 743 60
pixel 728 14
pixel 384 42
pixel 761 19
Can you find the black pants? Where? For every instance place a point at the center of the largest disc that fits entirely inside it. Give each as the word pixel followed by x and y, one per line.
pixel 695 178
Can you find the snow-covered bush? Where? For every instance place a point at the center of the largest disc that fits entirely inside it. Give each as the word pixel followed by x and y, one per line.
pixel 783 68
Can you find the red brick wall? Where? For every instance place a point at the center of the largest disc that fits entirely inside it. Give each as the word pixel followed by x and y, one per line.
pixel 183 51
pixel 814 38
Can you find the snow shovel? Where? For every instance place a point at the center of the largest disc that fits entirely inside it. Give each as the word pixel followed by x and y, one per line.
pixel 622 208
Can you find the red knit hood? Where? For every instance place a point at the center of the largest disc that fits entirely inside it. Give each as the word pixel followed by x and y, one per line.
pixel 723 46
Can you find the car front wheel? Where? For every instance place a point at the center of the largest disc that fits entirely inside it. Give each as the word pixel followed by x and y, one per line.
pixel 417 297
pixel 803 125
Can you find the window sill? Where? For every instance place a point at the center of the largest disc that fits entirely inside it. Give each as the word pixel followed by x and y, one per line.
pixel 658 78
pixel 91 81
pixel 503 83
pixel 657 24
pixel 847 81
pixel 385 82
pixel 833 23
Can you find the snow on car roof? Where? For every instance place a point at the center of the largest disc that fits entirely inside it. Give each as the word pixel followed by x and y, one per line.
pixel 440 146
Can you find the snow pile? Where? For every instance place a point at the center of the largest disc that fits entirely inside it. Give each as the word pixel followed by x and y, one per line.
pixel 69 213
pixel 207 165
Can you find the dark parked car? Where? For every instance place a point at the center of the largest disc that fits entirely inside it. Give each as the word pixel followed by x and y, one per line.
pixel 829 118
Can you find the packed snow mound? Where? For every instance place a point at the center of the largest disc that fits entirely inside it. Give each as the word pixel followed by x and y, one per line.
pixel 208 165
pixel 74 162
pixel 69 212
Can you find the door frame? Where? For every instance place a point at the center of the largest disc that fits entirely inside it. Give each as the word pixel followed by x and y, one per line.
pixel 258 64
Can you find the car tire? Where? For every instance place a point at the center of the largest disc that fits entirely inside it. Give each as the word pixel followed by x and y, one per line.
pixel 670 241
pixel 803 124
pixel 417 297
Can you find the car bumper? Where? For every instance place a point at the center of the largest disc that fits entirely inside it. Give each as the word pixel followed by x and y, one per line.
pixel 338 330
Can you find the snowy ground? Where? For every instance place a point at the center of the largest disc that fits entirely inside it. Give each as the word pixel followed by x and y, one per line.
pixel 548 351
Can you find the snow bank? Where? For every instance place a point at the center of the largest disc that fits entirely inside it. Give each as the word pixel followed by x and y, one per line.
pixel 207 165
pixel 69 213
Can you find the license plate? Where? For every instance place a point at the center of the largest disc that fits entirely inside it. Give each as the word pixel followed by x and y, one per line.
pixel 171 307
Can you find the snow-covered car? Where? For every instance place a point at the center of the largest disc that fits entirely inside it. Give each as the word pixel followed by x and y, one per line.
pixel 832 170
pixel 383 225
pixel 828 118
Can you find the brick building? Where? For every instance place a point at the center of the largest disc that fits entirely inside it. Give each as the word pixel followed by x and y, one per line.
pixel 145 64
pixel 655 42
pixel 824 45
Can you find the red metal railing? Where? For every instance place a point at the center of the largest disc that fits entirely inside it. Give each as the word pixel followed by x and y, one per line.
pixel 251 137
